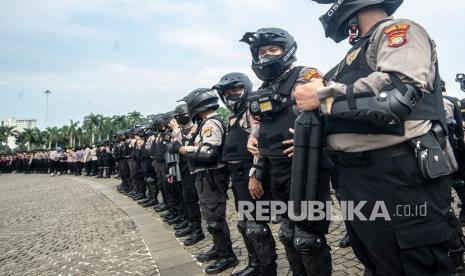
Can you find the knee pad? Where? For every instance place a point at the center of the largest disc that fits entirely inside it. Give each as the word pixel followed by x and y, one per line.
pixel 257 231
pixel 308 242
pixel 242 226
pixel 286 233
pixel 215 227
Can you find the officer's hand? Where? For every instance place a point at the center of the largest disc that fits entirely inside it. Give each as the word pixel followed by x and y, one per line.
pixel 182 150
pixel 306 97
pixel 174 124
pixel 170 180
pixel 255 188
pixel 252 146
pixel 290 150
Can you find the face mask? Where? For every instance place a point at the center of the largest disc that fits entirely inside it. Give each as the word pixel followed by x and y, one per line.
pixel 183 119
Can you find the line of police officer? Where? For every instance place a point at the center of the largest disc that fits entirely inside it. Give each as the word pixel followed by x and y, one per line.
pixel 386 138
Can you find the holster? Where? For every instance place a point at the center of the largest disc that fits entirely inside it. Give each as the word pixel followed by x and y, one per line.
pixel 430 157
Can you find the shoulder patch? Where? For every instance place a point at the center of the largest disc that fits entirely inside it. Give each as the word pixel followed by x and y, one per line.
pixel 311 74
pixel 397 35
pixel 207 131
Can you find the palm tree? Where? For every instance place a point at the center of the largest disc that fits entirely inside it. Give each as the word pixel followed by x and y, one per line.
pixel 27 137
pixel 52 135
pixel 92 124
pixel 134 118
pixel 79 133
pixel 72 133
pixel 5 132
pixel 119 122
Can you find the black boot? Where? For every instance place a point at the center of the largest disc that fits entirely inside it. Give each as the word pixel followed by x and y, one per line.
pixel 181 225
pixel 178 219
pixel 345 241
pixel 253 266
pixel 184 232
pixel 197 234
pixel 211 254
pixel 160 207
pixel 222 264
pixel 150 203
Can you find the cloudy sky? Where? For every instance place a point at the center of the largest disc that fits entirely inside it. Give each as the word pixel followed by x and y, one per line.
pixel 116 56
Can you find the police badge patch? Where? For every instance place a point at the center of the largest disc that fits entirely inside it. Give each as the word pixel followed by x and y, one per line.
pixel 352 56
pixel 397 35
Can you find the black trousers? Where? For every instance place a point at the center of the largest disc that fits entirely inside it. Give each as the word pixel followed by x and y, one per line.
pixel 407 244
pixel 190 197
pixel 124 173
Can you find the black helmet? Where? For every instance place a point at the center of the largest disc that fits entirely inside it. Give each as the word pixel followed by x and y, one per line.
pixel 336 20
pixel 181 114
pixel 460 78
pixel 158 122
pixel 275 67
pixel 231 80
pixel 200 100
pixel 167 117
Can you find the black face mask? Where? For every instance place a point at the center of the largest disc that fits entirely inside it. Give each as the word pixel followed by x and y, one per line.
pixel 183 119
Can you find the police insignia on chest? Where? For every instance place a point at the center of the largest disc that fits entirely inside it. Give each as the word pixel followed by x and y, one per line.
pixel 397 35
pixel 352 56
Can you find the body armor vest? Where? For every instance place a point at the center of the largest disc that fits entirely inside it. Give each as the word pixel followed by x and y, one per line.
pixel 235 144
pixel 274 128
pixel 355 67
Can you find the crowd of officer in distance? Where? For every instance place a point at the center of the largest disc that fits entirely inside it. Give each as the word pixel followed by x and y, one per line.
pixel 377 127
pixel 90 160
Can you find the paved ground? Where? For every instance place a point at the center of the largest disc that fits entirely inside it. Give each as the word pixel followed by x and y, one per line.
pixel 81 226
pixel 59 226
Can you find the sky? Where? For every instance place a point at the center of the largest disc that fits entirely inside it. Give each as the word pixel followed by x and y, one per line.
pixel 115 56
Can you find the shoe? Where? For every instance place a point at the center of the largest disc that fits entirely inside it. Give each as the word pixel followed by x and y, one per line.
pixel 149 203
pixel 183 232
pixel 142 201
pixel 195 237
pixel 170 216
pixel 161 208
pixel 175 220
pixel 183 224
pixel 221 265
pixel 211 254
pixel 345 242
pixel 139 197
pixel 249 270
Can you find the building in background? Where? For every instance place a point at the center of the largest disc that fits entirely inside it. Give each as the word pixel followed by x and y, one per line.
pixel 19 124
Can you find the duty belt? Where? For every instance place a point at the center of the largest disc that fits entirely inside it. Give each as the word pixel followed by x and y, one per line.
pixel 236 167
pixel 347 159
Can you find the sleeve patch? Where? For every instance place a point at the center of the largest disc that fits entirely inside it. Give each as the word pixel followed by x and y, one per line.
pixel 397 35
pixel 207 131
pixel 313 73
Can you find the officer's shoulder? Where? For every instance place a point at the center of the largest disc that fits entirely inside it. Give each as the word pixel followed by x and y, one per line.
pixel 399 26
pixel 308 73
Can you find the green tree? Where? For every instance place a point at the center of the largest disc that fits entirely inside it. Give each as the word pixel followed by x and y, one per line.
pixel 92 123
pixel 5 132
pixel 134 118
pixel 72 133
pixel 52 136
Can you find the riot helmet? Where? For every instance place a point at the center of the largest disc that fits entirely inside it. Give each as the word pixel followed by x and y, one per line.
pixel 181 114
pixel 200 100
pixel 236 102
pixel 336 21
pixel 271 67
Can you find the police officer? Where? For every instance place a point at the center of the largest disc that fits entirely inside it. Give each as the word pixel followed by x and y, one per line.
pixel 183 129
pixel 150 177
pixel 455 127
pixel 121 157
pixel 386 126
pixel 233 89
pixel 211 176
pixel 273 54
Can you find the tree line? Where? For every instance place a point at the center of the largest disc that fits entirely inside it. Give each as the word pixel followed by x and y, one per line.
pixel 94 127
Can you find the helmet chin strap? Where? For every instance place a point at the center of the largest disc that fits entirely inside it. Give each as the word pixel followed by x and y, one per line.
pixel 354 31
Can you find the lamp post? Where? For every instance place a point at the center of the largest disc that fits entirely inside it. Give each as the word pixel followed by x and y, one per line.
pixel 47 92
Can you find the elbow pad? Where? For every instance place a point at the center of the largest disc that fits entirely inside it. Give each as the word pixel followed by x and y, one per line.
pixel 208 156
pixel 388 109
